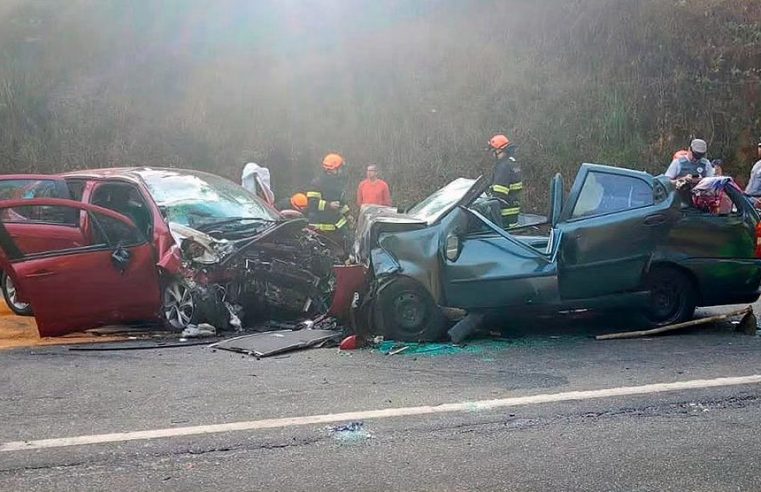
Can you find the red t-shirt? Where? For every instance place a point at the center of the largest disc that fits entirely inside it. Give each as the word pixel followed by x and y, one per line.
pixel 373 192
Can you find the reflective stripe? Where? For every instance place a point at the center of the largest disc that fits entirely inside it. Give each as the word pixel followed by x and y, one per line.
pixel 516 186
pixel 321 205
pixel 501 189
pixel 340 223
pixel 323 227
pixel 511 211
pixel 345 210
pixel 314 194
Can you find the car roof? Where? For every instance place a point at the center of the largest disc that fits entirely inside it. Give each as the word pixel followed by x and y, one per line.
pixel 130 173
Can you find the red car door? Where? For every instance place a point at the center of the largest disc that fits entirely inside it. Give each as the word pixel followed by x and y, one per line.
pixel 112 278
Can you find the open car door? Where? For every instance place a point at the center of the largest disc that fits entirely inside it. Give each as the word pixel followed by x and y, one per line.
pixel 611 223
pixel 110 278
pixel 485 267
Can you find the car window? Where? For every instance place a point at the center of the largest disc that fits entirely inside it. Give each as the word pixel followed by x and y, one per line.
pixel 28 189
pixel 107 230
pixel 128 201
pixel 195 199
pixel 76 188
pixel 604 193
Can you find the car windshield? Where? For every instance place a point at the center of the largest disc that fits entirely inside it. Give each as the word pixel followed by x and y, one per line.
pixel 441 201
pixel 198 199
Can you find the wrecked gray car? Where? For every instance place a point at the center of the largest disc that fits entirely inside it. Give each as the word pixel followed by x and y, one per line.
pixel 621 240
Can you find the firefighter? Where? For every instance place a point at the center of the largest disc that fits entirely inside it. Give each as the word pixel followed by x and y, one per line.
pixel 506 180
pixel 327 209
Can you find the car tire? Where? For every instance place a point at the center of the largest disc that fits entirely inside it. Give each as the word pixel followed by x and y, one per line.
pixel 404 311
pixel 673 297
pixel 179 306
pixel 9 294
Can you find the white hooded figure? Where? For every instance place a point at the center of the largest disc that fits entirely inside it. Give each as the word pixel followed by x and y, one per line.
pixel 256 179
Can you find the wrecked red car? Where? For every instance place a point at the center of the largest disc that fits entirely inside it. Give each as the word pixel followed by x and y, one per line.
pixel 108 246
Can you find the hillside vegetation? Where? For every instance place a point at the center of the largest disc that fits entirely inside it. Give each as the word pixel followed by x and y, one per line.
pixel 415 86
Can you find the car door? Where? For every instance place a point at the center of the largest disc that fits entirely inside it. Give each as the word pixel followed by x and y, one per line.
pixel 611 224
pixel 111 278
pixel 487 268
pixel 35 228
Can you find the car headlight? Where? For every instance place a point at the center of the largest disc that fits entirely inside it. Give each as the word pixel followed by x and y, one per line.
pixel 197 252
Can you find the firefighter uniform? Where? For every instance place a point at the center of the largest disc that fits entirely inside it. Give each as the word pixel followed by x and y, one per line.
pixel 325 189
pixel 507 185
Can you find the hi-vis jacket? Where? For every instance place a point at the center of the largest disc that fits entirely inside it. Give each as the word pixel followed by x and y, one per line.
pixel 507 185
pixel 325 189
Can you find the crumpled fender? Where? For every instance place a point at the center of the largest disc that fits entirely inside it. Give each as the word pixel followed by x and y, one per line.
pixel 171 261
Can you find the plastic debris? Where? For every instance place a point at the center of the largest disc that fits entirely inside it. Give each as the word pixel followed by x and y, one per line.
pixel 349 343
pixel 199 331
pixel 465 328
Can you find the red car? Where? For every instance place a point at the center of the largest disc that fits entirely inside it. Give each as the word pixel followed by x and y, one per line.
pixel 95 247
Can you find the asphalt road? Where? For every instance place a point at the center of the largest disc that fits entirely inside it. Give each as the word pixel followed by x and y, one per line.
pixel 704 438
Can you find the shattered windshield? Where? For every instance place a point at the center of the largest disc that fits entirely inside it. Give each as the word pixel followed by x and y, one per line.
pixel 199 199
pixel 441 201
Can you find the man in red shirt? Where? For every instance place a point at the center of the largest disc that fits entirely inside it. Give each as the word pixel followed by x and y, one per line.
pixel 373 190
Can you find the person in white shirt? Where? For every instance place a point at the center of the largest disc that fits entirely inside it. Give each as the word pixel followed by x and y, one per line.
pixel 694 164
pixel 754 183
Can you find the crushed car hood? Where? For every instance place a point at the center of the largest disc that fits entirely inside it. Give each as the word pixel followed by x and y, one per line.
pixel 374 220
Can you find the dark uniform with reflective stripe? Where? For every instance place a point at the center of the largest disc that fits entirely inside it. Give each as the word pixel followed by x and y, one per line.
pixel 507 185
pixel 325 189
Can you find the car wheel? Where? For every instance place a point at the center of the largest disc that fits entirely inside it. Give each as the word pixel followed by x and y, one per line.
pixel 11 299
pixel 179 305
pixel 405 311
pixel 672 297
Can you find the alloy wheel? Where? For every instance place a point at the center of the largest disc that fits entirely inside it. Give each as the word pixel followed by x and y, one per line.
pixel 10 288
pixel 179 305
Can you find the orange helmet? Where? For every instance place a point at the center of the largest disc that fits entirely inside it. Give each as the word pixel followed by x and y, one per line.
pixel 499 142
pixel 332 162
pixel 299 201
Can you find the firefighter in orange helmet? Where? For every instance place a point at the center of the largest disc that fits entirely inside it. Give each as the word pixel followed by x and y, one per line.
pixel 507 183
pixel 327 209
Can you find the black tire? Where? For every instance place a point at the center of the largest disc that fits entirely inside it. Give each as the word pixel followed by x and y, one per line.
pixel 673 297
pixel 404 311
pixel 9 294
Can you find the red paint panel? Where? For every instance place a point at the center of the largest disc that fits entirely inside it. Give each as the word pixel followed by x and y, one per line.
pixel 35 238
pixel 83 290
pixel 349 279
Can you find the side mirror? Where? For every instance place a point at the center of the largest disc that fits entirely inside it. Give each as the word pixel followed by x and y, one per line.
pixel 452 247
pixel 120 258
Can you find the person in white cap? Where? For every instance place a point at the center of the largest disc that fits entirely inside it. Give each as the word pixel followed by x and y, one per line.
pixel 754 184
pixel 694 164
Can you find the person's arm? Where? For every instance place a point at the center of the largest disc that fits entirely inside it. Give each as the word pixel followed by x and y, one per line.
pixel 315 200
pixel 386 195
pixel 359 195
pixel 752 180
pixel 673 169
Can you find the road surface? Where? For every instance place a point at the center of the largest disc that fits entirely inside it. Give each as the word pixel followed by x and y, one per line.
pixel 551 410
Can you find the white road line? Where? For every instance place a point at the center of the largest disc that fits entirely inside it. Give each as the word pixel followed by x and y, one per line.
pixel 378 414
